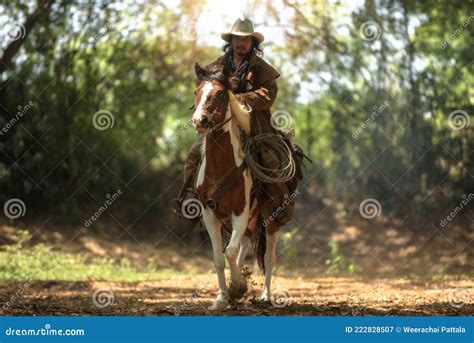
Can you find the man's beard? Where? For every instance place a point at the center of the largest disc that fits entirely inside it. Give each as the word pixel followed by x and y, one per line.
pixel 241 52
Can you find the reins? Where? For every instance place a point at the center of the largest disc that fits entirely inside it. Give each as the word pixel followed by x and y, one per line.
pixel 220 125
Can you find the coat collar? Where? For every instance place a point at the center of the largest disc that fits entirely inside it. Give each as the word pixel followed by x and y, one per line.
pixel 255 62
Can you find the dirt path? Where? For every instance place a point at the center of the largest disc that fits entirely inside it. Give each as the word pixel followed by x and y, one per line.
pixel 193 295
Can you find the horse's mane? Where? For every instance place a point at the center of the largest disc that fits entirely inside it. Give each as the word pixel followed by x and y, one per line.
pixel 241 112
pixel 219 72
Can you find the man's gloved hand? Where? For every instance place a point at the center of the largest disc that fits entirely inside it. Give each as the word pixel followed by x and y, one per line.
pixel 261 93
pixel 234 83
pixel 240 98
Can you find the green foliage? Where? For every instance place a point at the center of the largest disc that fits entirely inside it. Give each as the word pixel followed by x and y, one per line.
pixel 135 62
pixel 337 264
pixel 19 262
pixel 408 148
pixel 90 61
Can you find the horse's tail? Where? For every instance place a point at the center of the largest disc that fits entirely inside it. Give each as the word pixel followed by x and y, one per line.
pixel 260 245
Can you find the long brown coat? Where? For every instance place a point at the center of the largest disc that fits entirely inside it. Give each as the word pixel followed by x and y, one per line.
pixel 261 91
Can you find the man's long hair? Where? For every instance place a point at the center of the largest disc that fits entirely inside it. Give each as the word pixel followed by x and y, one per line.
pixel 257 48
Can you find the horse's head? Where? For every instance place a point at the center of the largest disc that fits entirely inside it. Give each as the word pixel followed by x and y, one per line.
pixel 211 97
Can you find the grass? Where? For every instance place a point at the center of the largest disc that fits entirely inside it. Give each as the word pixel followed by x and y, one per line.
pixel 19 262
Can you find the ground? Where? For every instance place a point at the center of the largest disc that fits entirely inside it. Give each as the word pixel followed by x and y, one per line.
pixel 187 295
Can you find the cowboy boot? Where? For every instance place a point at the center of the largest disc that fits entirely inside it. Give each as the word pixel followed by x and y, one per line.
pixel 186 187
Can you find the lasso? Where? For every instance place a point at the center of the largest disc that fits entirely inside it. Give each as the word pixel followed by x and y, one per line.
pixel 276 144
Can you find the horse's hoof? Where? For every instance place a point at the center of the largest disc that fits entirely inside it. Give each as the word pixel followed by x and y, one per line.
pixel 219 304
pixel 237 290
pixel 265 296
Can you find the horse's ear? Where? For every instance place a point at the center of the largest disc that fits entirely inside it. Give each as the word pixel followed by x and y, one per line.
pixel 200 72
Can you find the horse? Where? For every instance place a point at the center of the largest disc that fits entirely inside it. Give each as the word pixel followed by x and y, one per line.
pixel 224 182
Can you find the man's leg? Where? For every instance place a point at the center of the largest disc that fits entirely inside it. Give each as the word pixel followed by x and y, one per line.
pixel 277 192
pixel 190 169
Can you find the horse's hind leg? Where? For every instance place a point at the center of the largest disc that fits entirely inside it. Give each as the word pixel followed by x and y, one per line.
pixel 244 247
pixel 270 258
pixel 237 261
pixel 213 227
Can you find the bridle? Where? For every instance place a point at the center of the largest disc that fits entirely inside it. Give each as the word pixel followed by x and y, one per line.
pixel 212 126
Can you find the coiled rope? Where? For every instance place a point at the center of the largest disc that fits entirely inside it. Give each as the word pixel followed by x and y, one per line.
pixel 272 143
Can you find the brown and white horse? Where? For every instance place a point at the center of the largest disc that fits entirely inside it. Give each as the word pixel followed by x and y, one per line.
pixel 218 116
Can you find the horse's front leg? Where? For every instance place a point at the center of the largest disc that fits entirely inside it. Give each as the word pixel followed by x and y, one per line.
pixel 239 225
pixel 213 227
pixel 238 286
pixel 240 221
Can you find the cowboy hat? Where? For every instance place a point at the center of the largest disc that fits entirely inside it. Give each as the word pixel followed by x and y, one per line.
pixel 242 28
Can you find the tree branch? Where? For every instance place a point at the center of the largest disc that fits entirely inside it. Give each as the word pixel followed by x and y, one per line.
pixel 14 46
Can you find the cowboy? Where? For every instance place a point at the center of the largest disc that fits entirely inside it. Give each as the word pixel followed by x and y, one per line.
pixel 253 82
